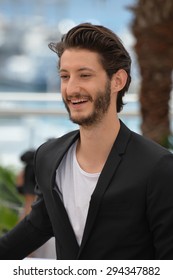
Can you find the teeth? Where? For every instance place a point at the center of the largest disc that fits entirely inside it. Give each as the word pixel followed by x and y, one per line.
pixel 78 101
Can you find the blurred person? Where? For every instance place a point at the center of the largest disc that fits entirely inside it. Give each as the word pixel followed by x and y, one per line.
pixel 25 181
pixel 104 191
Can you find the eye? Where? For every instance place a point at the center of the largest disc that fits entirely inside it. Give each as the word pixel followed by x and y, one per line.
pixel 85 75
pixel 64 77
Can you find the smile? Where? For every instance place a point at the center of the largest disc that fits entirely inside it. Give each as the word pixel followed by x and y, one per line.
pixel 75 101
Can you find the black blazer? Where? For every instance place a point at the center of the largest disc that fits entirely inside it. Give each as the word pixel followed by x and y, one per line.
pixel 131 209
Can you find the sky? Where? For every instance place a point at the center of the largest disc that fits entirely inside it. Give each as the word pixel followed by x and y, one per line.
pixel 64 14
pixel 112 13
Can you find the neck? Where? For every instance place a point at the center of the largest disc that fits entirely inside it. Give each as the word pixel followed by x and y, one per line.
pixel 95 145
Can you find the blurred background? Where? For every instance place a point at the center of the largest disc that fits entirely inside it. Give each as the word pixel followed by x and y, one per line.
pixel 31 110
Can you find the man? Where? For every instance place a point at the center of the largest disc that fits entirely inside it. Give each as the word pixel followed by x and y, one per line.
pixel 104 191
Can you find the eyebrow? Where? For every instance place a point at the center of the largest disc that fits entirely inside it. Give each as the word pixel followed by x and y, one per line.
pixel 79 70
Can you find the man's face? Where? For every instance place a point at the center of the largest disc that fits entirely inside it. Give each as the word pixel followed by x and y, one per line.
pixel 85 87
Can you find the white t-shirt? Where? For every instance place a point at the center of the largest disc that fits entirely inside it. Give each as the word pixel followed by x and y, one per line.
pixel 76 187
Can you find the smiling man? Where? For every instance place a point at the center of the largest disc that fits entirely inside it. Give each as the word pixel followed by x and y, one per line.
pixel 104 192
pixel 79 83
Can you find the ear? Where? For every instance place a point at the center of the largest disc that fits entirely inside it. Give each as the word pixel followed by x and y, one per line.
pixel 119 80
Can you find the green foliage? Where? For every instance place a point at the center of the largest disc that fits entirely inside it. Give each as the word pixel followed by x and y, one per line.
pixel 10 200
pixel 167 142
pixel 7 186
pixel 8 219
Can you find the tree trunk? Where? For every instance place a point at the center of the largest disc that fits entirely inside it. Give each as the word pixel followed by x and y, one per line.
pixel 153 27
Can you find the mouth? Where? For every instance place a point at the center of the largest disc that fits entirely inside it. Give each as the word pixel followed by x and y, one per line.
pixel 77 101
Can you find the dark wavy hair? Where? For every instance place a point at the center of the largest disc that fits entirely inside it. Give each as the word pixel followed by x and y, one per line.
pixel 107 44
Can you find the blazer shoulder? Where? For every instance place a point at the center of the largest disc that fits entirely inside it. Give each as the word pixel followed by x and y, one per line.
pixel 147 146
pixel 53 150
pixel 56 142
pixel 140 145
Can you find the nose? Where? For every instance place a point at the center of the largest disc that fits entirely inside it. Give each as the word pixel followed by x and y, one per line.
pixel 72 86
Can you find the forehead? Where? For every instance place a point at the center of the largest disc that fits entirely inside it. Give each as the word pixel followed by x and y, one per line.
pixel 80 58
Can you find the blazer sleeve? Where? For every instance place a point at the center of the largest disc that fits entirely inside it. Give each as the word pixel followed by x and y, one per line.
pixel 32 232
pixel 160 207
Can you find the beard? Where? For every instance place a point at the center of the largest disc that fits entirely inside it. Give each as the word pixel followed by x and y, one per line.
pixel 101 105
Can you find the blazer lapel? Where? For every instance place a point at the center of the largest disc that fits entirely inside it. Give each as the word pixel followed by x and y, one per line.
pixel 108 171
